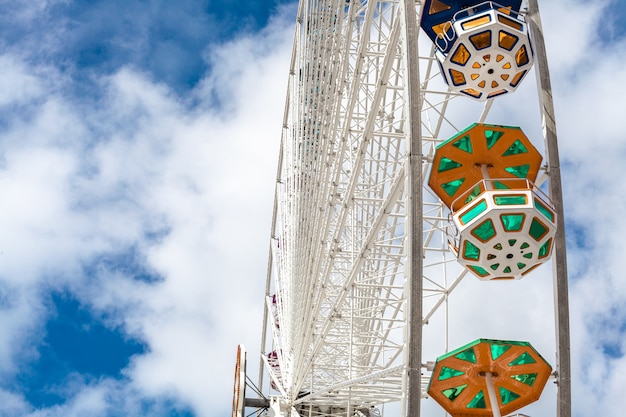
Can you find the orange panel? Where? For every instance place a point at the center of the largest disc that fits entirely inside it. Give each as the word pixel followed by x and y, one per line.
pixel 519 370
pixel 495 155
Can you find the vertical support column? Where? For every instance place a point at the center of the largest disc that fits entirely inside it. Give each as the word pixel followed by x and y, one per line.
pixel 491 392
pixel 559 259
pixel 414 209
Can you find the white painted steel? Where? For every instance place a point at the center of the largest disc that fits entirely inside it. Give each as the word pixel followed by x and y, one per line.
pixel 338 251
pixel 493 399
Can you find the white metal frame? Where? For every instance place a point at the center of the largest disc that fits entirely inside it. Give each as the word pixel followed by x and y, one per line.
pixel 339 249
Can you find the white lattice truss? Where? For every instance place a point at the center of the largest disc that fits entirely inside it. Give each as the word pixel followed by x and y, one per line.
pixel 338 249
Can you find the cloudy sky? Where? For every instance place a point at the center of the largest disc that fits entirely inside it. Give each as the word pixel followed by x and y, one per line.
pixel 138 151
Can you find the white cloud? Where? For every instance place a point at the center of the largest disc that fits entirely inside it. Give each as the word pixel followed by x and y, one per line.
pixel 85 178
pixel 588 81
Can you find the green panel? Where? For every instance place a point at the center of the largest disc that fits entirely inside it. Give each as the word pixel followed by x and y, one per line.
pixel 544 210
pixel 512 222
pixel 447 373
pixel 507 396
pixel 544 250
pixel 490 257
pixel 485 230
pixel 464 144
pixel 521 265
pixel 492 136
pixel 495 266
pixel 537 230
pixel 497 350
pixel 467 355
pixel 480 271
pixel 516 149
pixel 458 135
pixel 520 171
pixel 446 164
pixel 452 393
pixel 478 401
pixel 508 342
pixel 509 200
pixel 451 187
pixel 512 242
pixel 498 246
pixel 528 255
pixel 523 359
pixel 470 251
pixel 501 186
pixel 473 212
pixel 528 379
pixel 524 245
pixel 457 351
pixel 475 192
pixel 507 270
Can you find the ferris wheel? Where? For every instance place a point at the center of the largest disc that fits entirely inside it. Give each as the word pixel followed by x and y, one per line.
pixel 394 187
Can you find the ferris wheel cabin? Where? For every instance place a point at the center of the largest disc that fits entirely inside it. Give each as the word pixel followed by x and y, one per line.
pixel 483 49
pixel 503 225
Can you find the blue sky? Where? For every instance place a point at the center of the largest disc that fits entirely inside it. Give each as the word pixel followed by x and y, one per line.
pixel 138 149
pixel 86 39
pixel 124 159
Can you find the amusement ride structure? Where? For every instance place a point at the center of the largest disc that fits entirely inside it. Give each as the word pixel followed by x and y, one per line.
pixel 402 178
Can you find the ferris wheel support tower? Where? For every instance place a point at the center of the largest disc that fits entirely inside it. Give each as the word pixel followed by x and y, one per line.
pixel 364 252
pixel 561 291
pixel 415 211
